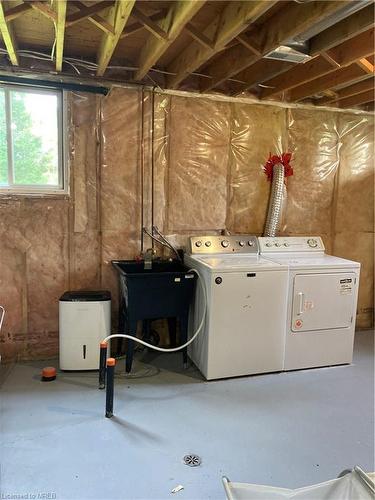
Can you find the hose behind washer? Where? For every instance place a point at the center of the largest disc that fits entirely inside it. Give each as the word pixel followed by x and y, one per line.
pixel 172 349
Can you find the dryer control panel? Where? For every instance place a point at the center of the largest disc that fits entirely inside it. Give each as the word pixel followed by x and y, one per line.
pixel 239 243
pixel 292 244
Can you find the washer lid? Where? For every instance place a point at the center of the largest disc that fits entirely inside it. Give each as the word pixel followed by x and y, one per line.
pixel 235 263
pixel 311 261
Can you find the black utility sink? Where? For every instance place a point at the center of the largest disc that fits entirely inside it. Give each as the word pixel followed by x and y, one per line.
pixel 164 291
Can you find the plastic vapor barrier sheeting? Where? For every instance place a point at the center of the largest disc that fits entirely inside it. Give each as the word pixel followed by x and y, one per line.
pixel 348 487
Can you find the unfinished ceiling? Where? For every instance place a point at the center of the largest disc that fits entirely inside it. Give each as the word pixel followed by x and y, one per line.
pixel 296 51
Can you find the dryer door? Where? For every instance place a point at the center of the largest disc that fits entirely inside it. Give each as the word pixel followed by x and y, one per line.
pixel 323 301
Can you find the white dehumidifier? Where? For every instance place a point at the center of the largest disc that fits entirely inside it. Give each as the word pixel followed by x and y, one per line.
pixel 84 320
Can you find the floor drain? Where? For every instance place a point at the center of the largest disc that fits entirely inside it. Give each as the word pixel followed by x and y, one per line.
pixel 192 460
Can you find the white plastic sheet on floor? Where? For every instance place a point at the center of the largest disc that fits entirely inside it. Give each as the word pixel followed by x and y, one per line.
pixel 349 487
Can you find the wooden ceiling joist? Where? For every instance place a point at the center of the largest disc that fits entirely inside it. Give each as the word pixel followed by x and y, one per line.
pixel 179 14
pixel 60 32
pixel 262 70
pixel 366 65
pixel 117 17
pixel 343 30
pixel 357 99
pixel 86 12
pixel 247 42
pixel 341 76
pixel 8 37
pixel 344 54
pixel 234 18
pixel 43 8
pixel 149 24
pixel 95 19
pixel 291 21
pixel 137 26
pixel 199 37
pixel 17 11
pixel 349 91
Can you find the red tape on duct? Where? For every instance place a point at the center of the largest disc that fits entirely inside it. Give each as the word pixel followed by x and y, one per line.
pixel 273 160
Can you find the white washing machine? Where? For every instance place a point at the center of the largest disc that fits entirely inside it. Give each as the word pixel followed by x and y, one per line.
pixel 246 307
pixel 322 301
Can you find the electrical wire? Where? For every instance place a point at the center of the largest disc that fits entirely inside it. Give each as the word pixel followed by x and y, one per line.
pixel 91 66
pixel 171 349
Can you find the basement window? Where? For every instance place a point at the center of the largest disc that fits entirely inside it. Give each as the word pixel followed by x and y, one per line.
pixel 31 141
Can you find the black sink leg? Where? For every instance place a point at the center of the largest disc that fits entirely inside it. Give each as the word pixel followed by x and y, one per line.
pixel 121 328
pixel 172 326
pixel 132 330
pixel 183 337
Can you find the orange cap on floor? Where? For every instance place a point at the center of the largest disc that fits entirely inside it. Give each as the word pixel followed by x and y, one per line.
pixel 111 362
pixel 49 372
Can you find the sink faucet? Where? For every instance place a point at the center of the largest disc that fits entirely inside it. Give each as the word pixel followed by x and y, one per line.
pixel 162 240
pixel 148 256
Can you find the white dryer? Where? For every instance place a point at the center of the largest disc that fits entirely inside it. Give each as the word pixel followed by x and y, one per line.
pixel 322 301
pixel 246 310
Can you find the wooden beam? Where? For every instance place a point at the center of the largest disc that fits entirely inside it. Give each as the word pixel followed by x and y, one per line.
pixel 60 32
pixel 135 27
pixel 370 106
pixel 327 55
pixel 95 19
pixel 341 76
pixel 234 18
pixel 8 37
pixel 43 8
pixel 358 99
pixel 262 70
pixel 199 37
pixel 366 65
pixel 282 26
pixel 349 91
pixel 149 24
pixel 117 17
pixel 17 11
pixel 179 14
pixel 247 42
pixel 344 30
pixel 355 48
pixel 345 54
pixel 86 12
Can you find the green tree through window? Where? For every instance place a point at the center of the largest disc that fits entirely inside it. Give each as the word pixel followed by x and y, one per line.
pixel 34 159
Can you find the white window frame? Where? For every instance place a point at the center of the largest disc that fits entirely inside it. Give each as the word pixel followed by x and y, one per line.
pixel 63 175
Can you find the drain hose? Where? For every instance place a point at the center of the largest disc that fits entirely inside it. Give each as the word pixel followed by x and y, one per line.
pixel 276 201
pixel 172 349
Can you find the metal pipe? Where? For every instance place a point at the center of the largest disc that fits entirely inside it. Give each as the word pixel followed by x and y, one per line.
pixel 142 167
pixel 102 363
pixel 276 201
pixel 111 363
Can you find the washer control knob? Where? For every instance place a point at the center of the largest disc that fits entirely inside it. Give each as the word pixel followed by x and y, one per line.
pixel 312 243
pixel 250 243
pixel 277 244
pixel 286 244
pixel 225 243
pixel 241 243
pixel 268 244
pixel 208 243
pixel 218 280
pixel 198 243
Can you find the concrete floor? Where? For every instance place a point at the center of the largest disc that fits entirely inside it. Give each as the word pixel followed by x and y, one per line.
pixel 288 429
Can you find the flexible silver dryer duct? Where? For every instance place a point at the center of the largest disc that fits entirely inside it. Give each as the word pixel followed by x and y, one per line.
pixel 276 201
